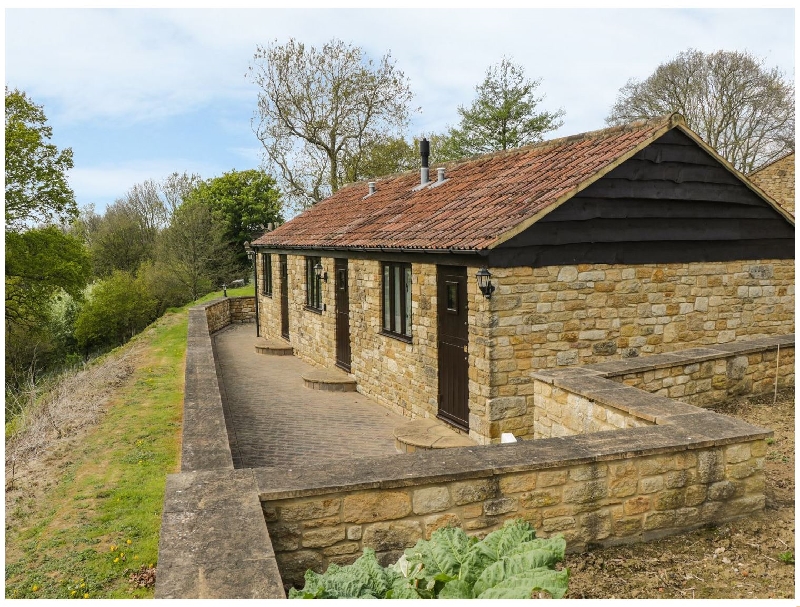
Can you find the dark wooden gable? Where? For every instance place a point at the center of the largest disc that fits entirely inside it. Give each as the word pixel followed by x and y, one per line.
pixel 670 203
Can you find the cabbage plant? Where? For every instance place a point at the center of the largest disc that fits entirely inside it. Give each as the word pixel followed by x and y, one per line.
pixel 510 563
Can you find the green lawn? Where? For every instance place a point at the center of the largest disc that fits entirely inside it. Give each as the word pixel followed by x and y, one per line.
pixel 99 520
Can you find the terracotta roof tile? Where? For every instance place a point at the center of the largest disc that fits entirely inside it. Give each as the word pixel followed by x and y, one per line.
pixel 482 199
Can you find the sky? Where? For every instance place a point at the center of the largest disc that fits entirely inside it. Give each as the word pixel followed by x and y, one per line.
pixel 141 93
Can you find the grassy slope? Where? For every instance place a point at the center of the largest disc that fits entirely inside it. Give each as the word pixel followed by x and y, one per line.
pixel 100 519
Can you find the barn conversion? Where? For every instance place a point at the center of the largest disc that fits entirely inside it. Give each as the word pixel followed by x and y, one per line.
pixel 442 297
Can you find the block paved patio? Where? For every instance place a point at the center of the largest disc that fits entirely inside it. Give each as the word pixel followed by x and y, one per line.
pixel 275 421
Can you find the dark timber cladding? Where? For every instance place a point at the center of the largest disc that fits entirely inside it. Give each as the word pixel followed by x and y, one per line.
pixel 672 202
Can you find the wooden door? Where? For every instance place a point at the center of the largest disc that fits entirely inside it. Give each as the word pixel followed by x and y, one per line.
pixel 342 316
pixel 453 340
pixel 284 296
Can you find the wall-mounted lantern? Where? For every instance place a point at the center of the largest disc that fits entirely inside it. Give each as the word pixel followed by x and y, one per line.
pixel 485 282
pixel 318 272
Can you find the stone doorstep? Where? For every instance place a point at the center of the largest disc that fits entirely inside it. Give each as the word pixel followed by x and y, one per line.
pixel 329 380
pixel 427 433
pixel 273 347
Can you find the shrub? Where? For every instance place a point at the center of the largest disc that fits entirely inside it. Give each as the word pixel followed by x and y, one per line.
pixel 510 563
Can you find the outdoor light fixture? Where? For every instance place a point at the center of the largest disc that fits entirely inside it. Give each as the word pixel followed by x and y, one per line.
pixel 485 282
pixel 323 276
pixel 249 250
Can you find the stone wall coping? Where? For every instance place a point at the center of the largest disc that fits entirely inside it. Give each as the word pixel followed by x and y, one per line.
pixel 671 359
pixel 597 385
pixel 204 443
pixel 677 426
pixel 213 541
pixel 680 431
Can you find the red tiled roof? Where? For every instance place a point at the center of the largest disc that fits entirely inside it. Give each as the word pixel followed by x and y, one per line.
pixel 483 198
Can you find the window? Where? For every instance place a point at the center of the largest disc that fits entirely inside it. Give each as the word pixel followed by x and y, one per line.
pixel 397 298
pixel 266 270
pixel 313 284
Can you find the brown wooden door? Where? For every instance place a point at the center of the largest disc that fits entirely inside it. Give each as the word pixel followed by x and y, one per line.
pixel 453 339
pixel 342 316
pixel 284 296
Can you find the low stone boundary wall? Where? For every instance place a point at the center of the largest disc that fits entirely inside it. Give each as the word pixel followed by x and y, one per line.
pixel 227 310
pixel 213 541
pixel 607 488
pixel 633 392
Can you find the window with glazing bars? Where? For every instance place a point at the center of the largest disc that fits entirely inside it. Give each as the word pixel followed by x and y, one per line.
pixel 313 284
pixel 266 268
pixel 397 298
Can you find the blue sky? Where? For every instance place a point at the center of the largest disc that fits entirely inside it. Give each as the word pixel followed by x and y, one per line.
pixel 140 93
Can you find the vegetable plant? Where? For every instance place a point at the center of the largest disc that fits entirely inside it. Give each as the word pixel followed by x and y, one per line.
pixel 510 563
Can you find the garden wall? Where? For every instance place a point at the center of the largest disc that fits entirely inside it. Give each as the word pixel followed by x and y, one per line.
pixel 213 541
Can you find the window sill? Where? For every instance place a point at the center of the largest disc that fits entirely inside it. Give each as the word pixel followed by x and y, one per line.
pixel 267 295
pixel 397 336
pixel 312 309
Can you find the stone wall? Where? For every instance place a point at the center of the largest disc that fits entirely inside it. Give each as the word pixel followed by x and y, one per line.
pixel 213 542
pixel 543 318
pixel 609 488
pixel 224 311
pixel 777 180
pixel 713 380
pixel 626 394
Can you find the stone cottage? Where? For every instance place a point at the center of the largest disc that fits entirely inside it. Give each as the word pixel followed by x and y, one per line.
pixel 441 297
pixel 777 180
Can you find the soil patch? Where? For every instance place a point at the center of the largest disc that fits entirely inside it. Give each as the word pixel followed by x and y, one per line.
pixel 750 558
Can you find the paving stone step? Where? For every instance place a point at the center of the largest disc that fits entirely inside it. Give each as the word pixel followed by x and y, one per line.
pixel 273 347
pixel 329 380
pixel 427 433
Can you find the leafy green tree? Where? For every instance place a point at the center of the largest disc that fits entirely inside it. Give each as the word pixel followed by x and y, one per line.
pixel 319 106
pixel 195 251
pixel 39 264
pixel 36 183
pixel 120 241
pixel 244 202
pixel 383 157
pixel 744 110
pixel 163 285
pixel 502 116
pixel 117 308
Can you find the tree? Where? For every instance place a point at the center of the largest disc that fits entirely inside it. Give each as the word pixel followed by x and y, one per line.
pixel 744 110
pixel 383 157
pixel 194 249
pixel 117 309
pixel 36 183
pixel 317 107
pixel 244 202
pixel 120 241
pixel 502 116
pixel 39 264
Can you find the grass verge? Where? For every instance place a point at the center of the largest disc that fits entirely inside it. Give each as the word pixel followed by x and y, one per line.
pixel 97 522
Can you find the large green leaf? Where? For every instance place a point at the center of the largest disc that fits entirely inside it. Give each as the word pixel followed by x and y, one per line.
pixel 513 565
pixel 500 542
pixel 443 556
pixel 456 589
pixel 363 579
pixel 525 584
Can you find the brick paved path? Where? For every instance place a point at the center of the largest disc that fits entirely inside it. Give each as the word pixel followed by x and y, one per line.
pixel 275 421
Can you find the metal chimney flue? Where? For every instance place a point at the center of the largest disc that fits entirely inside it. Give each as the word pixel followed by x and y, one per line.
pixel 424 152
pixel 440 174
pixel 371 188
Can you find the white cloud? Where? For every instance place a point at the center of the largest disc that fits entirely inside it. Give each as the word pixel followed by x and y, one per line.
pixel 102 185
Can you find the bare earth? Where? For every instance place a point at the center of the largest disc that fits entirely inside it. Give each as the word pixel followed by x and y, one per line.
pixel 751 558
